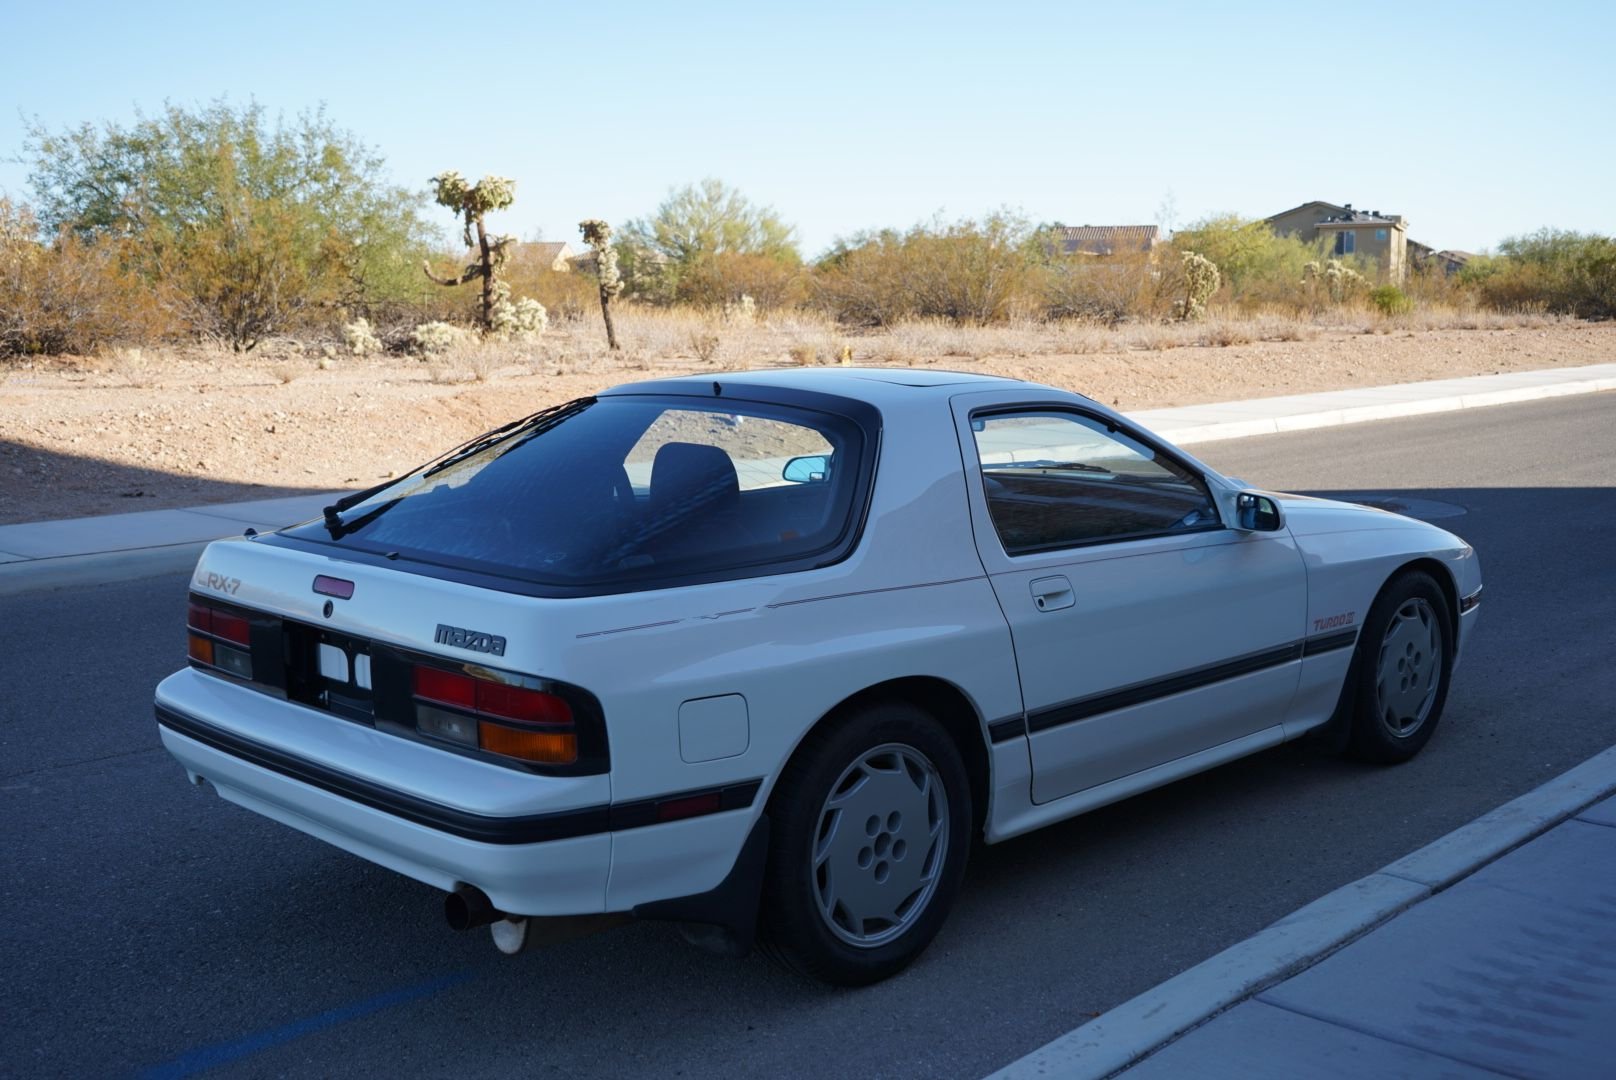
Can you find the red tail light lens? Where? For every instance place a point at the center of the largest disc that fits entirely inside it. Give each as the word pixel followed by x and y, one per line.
pixel 445 687
pixel 551 738
pixel 231 627
pixel 518 703
pixel 219 639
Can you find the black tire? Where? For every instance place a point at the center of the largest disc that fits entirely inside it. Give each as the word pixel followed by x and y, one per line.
pixel 793 929
pixel 1389 731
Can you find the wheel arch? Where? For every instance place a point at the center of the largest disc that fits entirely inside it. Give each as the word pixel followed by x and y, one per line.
pixel 1443 575
pixel 953 710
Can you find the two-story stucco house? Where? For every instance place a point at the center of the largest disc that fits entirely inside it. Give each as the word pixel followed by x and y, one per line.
pixel 1381 238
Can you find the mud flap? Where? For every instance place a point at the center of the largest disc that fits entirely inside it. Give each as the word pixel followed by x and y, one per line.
pixel 722 920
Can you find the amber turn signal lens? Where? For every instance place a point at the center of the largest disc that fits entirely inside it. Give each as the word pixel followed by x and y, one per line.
pixel 201 649
pixel 549 747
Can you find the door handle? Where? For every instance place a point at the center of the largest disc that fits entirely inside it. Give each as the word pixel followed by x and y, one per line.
pixel 1052 593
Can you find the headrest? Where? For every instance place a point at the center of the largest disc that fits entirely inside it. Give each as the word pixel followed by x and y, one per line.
pixel 688 476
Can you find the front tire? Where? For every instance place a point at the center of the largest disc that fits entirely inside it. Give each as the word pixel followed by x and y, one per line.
pixel 1401 671
pixel 872 827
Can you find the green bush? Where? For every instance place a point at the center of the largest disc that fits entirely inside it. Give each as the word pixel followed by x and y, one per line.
pixel 249 226
pixel 1390 300
pixel 1554 270
pixel 969 272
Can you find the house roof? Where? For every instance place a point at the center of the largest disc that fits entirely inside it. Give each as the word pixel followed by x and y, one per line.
pixel 541 252
pixel 1106 239
pixel 1342 215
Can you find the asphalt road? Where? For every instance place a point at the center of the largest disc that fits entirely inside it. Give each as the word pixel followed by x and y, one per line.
pixel 151 928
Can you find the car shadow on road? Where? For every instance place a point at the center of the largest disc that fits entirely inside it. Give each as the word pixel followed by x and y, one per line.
pixel 41 485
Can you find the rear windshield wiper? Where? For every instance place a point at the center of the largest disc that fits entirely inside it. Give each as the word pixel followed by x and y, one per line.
pixel 538 422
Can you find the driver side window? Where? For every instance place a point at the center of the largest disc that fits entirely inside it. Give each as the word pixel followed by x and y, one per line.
pixel 1056 479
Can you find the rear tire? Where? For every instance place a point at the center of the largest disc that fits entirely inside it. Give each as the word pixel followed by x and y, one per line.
pixel 1401 671
pixel 872 825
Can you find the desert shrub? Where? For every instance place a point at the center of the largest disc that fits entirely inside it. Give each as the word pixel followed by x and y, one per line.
pixel 1332 282
pixel 433 338
pixel 968 272
pixel 69 296
pixel 719 281
pixel 705 344
pixel 1258 267
pixel 246 225
pixel 1108 290
pixel 1390 300
pixel 1552 270
pixel 566 295
pixel 360 339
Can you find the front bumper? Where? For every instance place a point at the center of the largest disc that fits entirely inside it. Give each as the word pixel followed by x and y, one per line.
pixel 536 845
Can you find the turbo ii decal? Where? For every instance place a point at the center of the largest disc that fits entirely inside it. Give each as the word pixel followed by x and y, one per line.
pixel 1331 622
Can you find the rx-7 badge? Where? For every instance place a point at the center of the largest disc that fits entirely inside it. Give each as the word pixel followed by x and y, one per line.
pixel 475 640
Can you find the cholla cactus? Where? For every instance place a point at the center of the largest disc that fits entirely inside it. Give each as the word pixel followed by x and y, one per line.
pixel 742 311
pixel 471 202
pixel 360 339
pixel 1201 280
pixel 435 337
pixel 1340 281
pixel 598 235
pixel 523 320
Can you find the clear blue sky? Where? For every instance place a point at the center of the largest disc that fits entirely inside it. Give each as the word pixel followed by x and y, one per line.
pixel 1473 120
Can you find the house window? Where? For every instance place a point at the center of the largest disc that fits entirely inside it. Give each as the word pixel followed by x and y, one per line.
pixel 1380 234
pixel 1346 242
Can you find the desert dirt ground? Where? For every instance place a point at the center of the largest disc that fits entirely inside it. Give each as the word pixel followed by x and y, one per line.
pixel 84 436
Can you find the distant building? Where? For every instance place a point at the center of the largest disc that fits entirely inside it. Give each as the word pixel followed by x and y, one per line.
pixel 1451 262
pixel 557 255
pixel 1105 239
pixel 1381 238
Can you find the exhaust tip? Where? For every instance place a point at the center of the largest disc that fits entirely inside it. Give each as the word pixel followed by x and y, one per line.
pixel 468 907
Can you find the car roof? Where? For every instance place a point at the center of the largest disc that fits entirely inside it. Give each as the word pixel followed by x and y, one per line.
pixel 867 384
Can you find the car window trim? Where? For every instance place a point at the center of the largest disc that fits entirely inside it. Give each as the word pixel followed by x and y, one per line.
pixel 865 418
pixel 1113 425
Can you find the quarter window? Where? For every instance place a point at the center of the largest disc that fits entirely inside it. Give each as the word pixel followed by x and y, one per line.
pixel 1057 479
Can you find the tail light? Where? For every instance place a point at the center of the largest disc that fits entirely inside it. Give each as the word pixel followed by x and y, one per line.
pixel 495 716
pixel 219 639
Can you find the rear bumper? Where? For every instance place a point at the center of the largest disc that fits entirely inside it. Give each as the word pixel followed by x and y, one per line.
pixel 536 845
pixel 555 877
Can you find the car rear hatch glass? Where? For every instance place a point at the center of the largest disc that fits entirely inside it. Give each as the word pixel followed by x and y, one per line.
pixel 619 492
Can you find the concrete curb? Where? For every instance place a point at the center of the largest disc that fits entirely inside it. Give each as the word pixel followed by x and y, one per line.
pixel 100 568
pixel 1137 1028
pixel 1192 432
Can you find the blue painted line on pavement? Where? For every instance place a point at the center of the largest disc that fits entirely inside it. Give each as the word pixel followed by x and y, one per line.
pixel 209 1057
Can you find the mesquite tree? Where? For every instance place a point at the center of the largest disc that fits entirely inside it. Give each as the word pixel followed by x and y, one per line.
pixel 471 202
pixel 598 235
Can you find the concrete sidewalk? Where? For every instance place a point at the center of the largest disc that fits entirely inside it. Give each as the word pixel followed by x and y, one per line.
pixel 154 541
pixel 1491 952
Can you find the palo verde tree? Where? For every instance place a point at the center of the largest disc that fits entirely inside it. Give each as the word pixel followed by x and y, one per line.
pixel 242 223
pixel 598 235
pixel 472 202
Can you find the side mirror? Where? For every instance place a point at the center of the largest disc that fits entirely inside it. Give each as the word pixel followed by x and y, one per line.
pixel 808 469
pixel 1257 513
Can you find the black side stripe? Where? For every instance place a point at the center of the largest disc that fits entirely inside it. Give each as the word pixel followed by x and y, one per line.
pixel 530 829
pixel 1329 642
pixel 1011 727
pixel 1083 708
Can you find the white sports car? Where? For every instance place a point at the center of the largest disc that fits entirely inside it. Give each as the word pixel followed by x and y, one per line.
pixel 764 655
